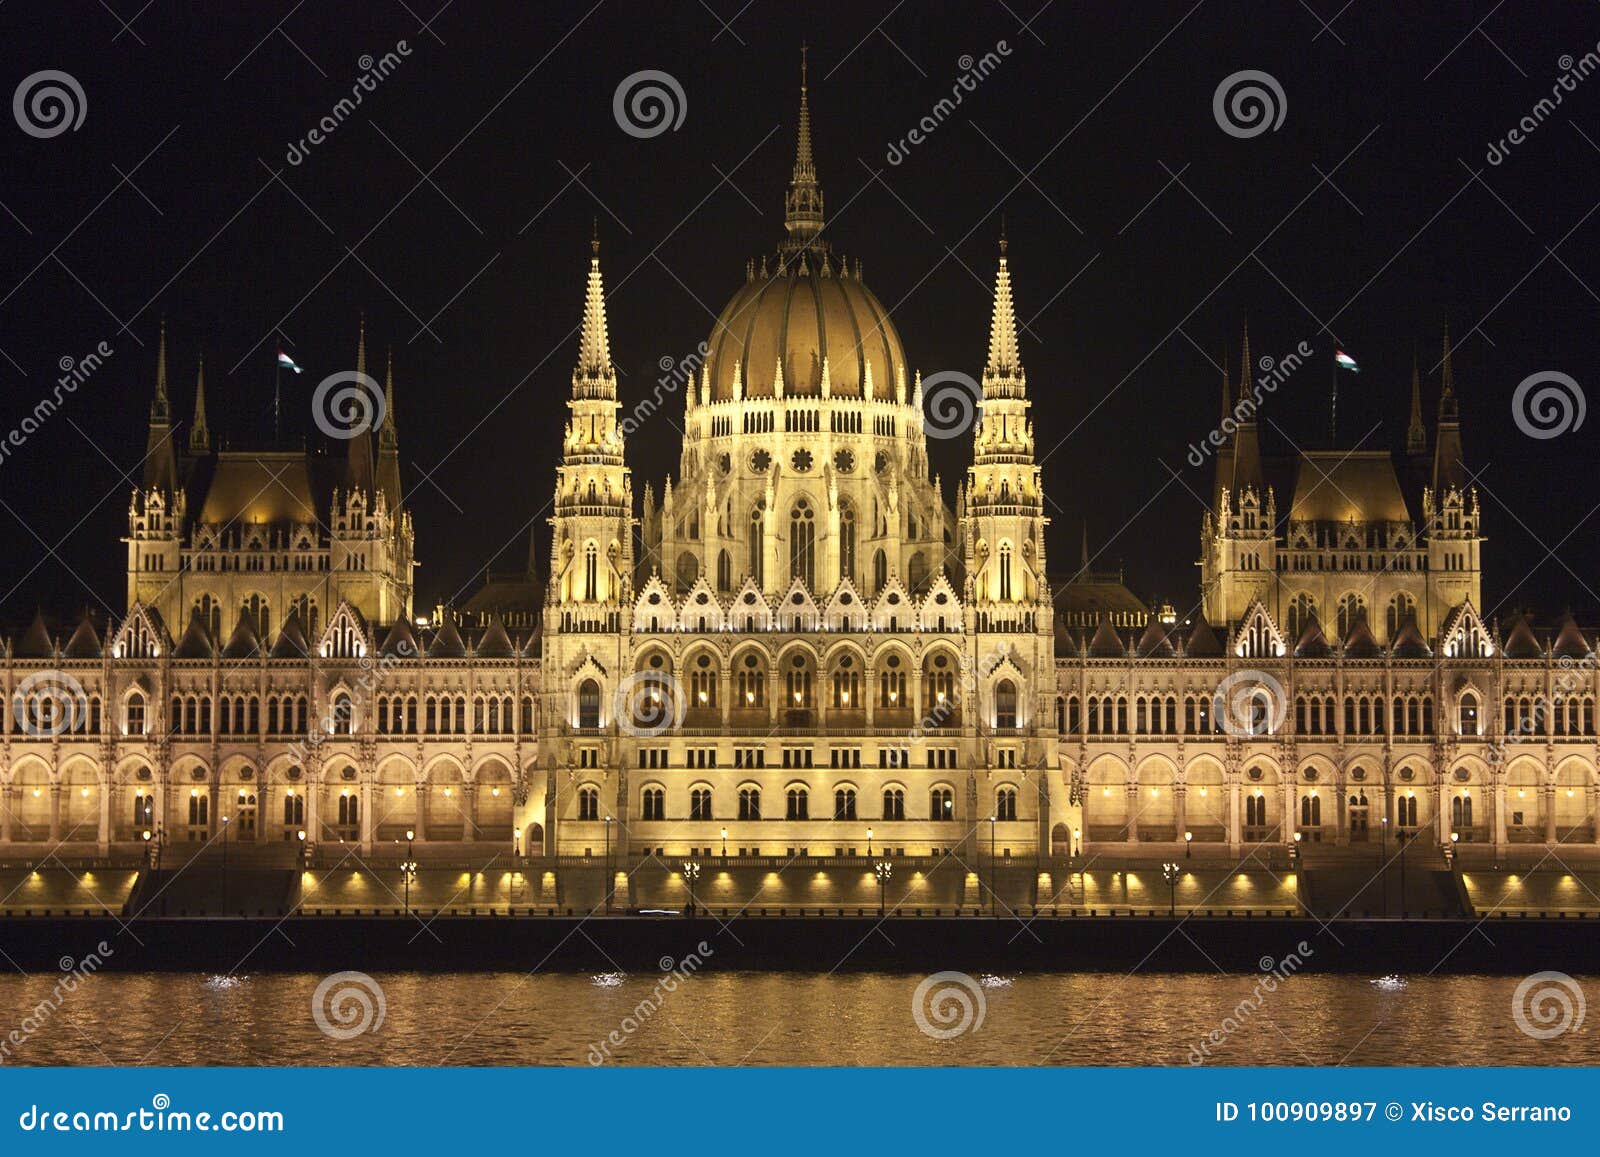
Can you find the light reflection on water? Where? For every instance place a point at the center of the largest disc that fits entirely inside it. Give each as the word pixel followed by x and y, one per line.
pixel 753 1018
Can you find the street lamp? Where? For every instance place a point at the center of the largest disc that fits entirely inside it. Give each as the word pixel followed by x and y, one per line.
pixel 608 866
pixel 724 843
pixel 149 851
pixel 691 873
pixel 1450 848
pixel 1383 858
pixel 869 843
pixel 993 911
pixel 1169 873
pixel 1294 848
pixel 1188 845
pixel 884 871
pixel 305 848
pixel 1077 842
pixel 224 865
pixel 409 867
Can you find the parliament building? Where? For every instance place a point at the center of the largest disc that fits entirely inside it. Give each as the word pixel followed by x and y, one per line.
pixel 796 648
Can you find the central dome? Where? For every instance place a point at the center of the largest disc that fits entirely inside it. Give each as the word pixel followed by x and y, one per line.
pixel 806 312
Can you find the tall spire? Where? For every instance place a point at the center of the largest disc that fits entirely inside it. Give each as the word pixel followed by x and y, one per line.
pixel 594 344
pixel 1447 379
pixel 389 445
pixel 361 346
pixel 160 461
pixel 358 459
pixel 386 430
pixel 1246 441
pixel 1005 361
pixel 199 436
pixel 1244 360
pixel 1416 434
pixel 1449 469
pixel 159 408
pixel 802 207
pixel 1227 387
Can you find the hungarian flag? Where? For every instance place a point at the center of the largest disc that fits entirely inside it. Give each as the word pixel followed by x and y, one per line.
pixel 1343 360
pixel 286 362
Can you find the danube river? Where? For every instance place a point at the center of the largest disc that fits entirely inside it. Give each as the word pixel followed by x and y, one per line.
pixel 748 1018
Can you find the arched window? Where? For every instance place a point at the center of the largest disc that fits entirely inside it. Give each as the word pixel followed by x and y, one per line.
pixel 654 800
pixel 757 551
pixel 847 685
pixel 749 803
pixel 349 814
pixel 844 803
pixel 724 571
pixel 799 685
pixel 847 542
pixel 304 608
pixel 892 683
pixel 752 683
pixel 135 714
pixel 700 803
pixel 1461 810
pixel 1005 704
pixel 294 809
pixel 589 704
pixel 917 572
pixel 1301 610
pixel 799 804
pixel 1351 607
pixel 880 571
pixel 1310 811
pixel 259 615
pixel 1005 803
pixel 1406 809
pixel 199 808
pixel 144 809
pixel 1005 570
pixel 688 570
pixel 341 719
pixel 210 612
pixel 591 572
pixel 941 804
pixel 703 684
pixel 588 803
pixel 1467 714
pixel 1255 810
pixel 803 543
pixel 1401 607
pixel 894 803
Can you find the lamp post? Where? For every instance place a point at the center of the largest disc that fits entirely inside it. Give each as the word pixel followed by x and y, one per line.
pixel 1383 858
pixel 1188 845
pixel 149 850
pixel 1450 848
pixel 1403 840
pixel 869 843
pixel 1294 848
pixel 1077 842
pixel 409 867
pixel 224 865
pixel 885 871
pixel 608 866
pixel 1169 873
pixel 305 848
pixel 691 873
pixel 724 846
pixel 993 909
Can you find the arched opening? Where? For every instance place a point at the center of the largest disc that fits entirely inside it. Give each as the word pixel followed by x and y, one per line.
pixel 589 704
pixel 803 543
pixel 1005 705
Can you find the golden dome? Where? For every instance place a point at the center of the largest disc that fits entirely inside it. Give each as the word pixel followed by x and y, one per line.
pixel 806 312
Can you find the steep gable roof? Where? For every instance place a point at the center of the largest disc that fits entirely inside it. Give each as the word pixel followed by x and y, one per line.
pixel 495 644
pixel 85 642
pixel 1408 642
pixel 196 642
pixel 1107 644
pixel 291 642
pixel 447 643
pixel 1203 642
pixel 400 642
pixel 35 642
pixel 1312 644
pixel 1570 643
pixel 1521 642
pixel 243 643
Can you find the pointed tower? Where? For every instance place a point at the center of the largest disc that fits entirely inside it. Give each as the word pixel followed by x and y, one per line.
pixel 160 461
pixel 359 473
pixel 389 444
pixel 199 435
pixel 157 509
pixel 802 207
pixel 1004 536
pixel 592 542
pixel 1416 433
pixel 1238 547
pixel 1450 514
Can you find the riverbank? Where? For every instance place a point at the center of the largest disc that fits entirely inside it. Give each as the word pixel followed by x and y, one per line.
pixel 1150 943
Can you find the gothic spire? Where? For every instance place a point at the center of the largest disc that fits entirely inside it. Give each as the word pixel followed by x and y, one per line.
pixel 199 436
pixel 1416 434
pixel 1227 387
pixel 594 343
pixel 159 408
pixel 389 445
pixel 1447 379
pixel 387 431
pixel 361 346
pixel 358 460
pixel 1005 361
pixel 1244 361
pixel 160 462
pixel 802 215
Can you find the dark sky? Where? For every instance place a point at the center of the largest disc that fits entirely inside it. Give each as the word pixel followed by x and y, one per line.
pixel 455 205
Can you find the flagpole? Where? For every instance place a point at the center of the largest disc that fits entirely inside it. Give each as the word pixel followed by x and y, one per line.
pixel 1333 410
pixel 277 399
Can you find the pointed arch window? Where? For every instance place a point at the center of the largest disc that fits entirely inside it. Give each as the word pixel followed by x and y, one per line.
pixel 259 614
pixel 1005 704
pixel 1005 571
pixel 591 572
pixel 724 571
pixel 880 571
pixel 803 543
pixel 210 612
pixel 847 542
pixel 757 519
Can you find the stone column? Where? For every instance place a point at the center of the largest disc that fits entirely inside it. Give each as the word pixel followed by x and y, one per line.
pixel 1235 835
pixel 1441 799
pixel 103 838
pixel 1291 817
pixel 313 829
pixel 421 825
pixel 1133 813
pixel 1547 795
pixel 1499 814
pixel 367 827
pixel 1341 835
pixel 1180 810
pixel 55 814
pixel 469 812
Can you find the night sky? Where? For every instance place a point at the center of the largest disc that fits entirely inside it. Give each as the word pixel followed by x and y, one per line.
pixel 455 206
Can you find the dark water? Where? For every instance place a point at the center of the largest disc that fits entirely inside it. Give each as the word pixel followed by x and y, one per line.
pixel 790 1019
